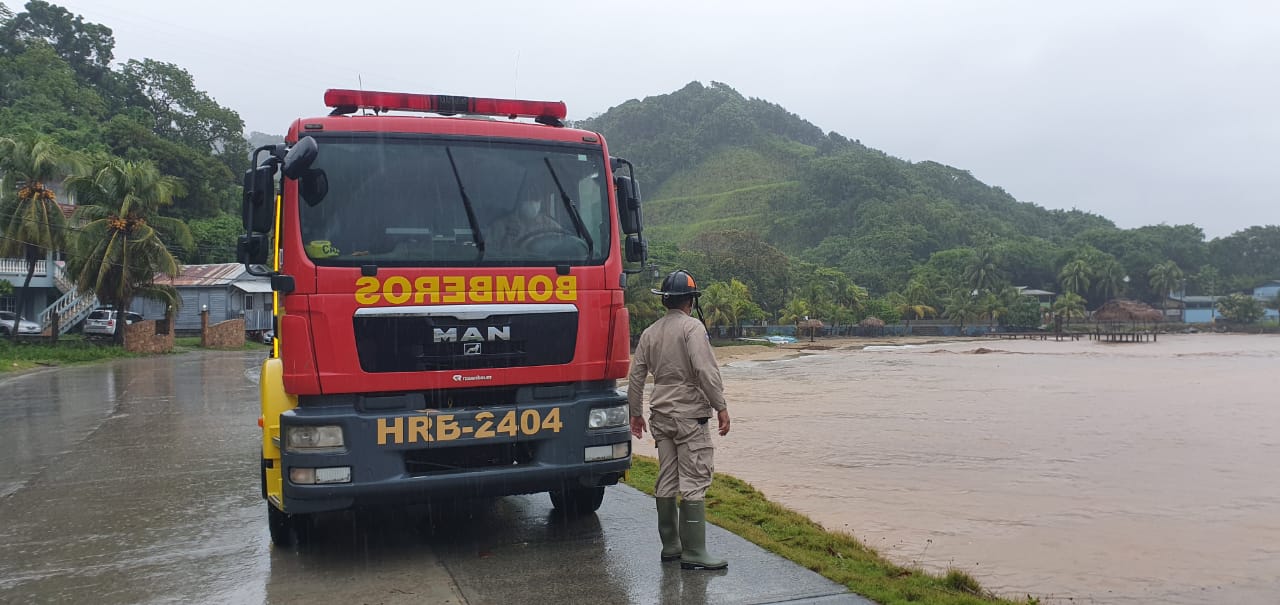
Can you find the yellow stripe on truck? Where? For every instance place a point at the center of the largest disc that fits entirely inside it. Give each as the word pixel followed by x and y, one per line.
pixel 275 401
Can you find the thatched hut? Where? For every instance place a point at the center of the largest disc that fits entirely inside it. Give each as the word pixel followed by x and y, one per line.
pixel 1127 311
pixel 812 325
pixel 871 325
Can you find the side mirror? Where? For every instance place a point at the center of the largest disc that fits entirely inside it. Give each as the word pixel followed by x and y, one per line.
pixel 259 201
pixel 628 204
pixel 300 157
pixel 254 250
pixel 636 249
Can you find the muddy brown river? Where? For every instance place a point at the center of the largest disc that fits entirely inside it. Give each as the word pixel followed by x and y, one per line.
pixel 1076 471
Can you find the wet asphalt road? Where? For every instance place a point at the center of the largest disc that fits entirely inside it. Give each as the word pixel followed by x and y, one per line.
pixel 136 482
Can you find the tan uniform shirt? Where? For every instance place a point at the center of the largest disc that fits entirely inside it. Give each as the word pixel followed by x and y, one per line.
pixel 686 377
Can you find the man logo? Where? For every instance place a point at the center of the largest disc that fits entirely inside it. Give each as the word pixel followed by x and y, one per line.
pixel 470 348
pixel 473 334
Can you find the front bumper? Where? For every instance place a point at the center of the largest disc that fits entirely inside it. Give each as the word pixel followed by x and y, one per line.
pixel 390 461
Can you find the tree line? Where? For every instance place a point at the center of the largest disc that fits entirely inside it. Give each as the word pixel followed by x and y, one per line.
pixel 148 157
pixel 57 80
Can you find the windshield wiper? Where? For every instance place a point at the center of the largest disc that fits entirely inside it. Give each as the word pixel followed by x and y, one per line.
pixel 572 208
pixel 466 203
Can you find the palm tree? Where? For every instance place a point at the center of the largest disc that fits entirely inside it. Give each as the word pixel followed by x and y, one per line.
pixel 853 298
pixel 31 223
pixel 913 303
pixel 1110 282
pixel 983 273
pixel 121 247
pixel 961 307
pixel 1075 276
pixel 795 310
pixel 741 305
pixel 717 303
pixel 1164 279
pixel 993 307
pixel 1068 306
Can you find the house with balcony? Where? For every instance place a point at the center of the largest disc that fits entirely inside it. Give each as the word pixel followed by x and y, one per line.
pixel 14 271
pixel 50 289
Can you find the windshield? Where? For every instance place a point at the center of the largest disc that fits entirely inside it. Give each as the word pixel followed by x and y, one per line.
pixel 399 202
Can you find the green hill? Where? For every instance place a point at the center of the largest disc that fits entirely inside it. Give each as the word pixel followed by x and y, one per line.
pixel 712 161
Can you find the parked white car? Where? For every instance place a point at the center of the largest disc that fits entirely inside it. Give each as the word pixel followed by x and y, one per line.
pixel 9 319
pixel 105 322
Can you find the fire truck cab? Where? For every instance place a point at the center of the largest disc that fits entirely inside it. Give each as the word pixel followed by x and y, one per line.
pixel 449 305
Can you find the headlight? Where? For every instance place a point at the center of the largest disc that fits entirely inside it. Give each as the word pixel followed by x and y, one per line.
pixel 313 437
pixel 601 418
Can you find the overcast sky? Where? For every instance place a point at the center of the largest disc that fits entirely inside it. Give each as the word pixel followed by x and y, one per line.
pixel 1144 112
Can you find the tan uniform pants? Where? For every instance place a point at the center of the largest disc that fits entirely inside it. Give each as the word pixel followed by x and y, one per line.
pixel 684 456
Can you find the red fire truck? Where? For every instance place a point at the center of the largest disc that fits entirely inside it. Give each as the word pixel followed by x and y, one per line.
pixel 449 305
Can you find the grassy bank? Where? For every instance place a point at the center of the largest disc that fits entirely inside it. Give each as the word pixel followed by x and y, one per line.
pixel 736 506
pixel 26 355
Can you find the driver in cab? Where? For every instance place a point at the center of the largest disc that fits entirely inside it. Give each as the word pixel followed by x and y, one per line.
pixel 527 223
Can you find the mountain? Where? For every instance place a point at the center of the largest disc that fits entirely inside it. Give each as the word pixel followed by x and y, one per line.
pixel 711 159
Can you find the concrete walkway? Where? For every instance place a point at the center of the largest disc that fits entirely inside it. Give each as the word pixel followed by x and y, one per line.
pixel 136 481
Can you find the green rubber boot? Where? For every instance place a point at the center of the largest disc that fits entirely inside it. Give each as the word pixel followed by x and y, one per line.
pixel 693 538
pixel 668 522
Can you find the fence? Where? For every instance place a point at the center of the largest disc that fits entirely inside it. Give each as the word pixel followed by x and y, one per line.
pixel 913 328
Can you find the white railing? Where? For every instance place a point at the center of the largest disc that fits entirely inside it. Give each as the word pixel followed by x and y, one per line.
pixel 17 266
pixel 70 307
pixel 60 279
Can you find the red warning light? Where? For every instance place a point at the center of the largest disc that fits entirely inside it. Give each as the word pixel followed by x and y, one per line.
pixel 348 101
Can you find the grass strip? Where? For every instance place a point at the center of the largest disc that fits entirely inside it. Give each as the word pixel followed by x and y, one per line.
pixel 736 506
pixel 26 355
pixel 71 350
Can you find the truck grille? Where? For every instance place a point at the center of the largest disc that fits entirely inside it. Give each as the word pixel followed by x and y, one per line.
pixel 411 344
pixel 444 460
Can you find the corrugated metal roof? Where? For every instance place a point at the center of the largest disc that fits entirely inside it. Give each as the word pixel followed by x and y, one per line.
pixel 253 285
pixel 203 275
pixel 1198 299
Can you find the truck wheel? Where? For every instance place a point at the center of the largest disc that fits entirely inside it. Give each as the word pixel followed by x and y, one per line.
pixel 286 529
pixel 579 501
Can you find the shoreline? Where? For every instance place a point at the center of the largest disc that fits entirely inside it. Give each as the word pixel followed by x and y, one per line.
pixel 729 353
pixel 737 506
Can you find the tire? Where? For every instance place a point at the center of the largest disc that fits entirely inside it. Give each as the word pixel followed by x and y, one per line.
pixel 579 501
pixel 286 529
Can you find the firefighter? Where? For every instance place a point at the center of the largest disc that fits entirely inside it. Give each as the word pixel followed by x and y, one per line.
pixel 526 222
pixel 687 391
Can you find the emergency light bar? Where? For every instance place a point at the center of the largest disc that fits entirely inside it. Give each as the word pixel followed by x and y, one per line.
pixel 348 101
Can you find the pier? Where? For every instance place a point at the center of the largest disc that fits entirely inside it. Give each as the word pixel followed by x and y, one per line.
pixel 1123 336
pixel 1035 335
